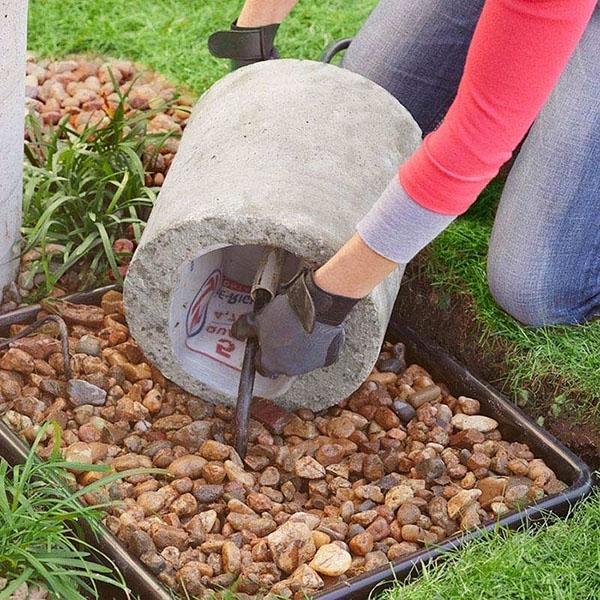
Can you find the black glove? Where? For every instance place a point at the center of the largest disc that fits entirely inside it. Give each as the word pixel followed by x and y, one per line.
pixel 300 330
pixel 244 45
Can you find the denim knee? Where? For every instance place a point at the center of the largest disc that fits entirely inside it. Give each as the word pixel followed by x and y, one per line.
pixel 516 291
pixel 533 291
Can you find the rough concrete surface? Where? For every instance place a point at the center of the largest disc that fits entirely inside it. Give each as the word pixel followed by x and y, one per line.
pixel 287 153
pixel 13 30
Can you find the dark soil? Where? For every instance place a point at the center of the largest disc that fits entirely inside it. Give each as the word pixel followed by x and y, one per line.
pixel 449 320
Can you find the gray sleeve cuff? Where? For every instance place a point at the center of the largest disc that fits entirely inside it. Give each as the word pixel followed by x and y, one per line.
pixel 397 227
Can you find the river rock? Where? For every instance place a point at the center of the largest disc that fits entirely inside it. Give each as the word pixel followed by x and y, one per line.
pixel 292 545
pixel 236 473
pixel 404 410
pixel 129 461
pixel 305 579
pixel 207 494
pixel 458 503
pixel 140 543
pixel 232 558
pixel 17 360
pixel 469 406
pixel 171 422
pixel 477 422
pixel 184 506
pixel 190 576
pixel 341 427
pixel 306 430
pixel 362 543
pixel 308 468
pixel 88 344
pixel 408 514
pixel 331 560
pixel 271 415
pixel 81 392
pixel 491 487
pixel 213 450
pixel 329 454
pixel 39 346
pixel 430 469
pixel 189 465
pixel 426 394
pixel 397 496
pixel 191 436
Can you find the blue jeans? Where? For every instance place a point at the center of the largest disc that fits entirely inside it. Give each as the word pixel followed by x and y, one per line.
pixel 544 252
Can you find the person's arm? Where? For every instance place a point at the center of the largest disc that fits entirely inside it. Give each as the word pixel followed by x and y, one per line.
pixel 518 51
pixel 258 13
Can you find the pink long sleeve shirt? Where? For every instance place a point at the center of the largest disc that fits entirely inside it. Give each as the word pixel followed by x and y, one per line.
pixel 518 51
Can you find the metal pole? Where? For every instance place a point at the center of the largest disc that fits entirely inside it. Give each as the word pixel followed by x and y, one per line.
pixel 264 288
pixel 13 35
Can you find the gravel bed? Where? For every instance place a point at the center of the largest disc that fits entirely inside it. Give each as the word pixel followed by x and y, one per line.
pixel 83 87
pixel 320 498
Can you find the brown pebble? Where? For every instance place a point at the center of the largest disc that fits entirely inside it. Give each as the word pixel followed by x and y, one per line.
pixel 379 529
pixel 386 418
pixel 426 394
pixel 466 438
pixel 469 406
pixel 361 544
pixel 341 427
pixel 408 514
pixel 329 454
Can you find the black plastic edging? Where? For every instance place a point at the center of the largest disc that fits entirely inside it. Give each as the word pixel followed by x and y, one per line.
pixel 515 424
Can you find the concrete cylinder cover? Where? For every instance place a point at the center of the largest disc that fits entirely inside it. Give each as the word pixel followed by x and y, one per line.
pixel 283 153
pixel 13 34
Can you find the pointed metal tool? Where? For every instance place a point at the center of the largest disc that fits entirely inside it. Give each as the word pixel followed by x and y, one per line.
pixel 264 289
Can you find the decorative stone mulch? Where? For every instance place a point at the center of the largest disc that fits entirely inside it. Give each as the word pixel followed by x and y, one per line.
pixel 320 498
pixel 84 89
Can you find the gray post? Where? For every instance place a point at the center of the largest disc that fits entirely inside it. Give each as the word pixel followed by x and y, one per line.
pixel 13 41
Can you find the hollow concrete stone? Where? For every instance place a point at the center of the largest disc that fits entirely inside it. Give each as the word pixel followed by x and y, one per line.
pixel 13 31
pixel 285 153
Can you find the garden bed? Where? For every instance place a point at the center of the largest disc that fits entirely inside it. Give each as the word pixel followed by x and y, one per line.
pixel 321 501
pixel 100 137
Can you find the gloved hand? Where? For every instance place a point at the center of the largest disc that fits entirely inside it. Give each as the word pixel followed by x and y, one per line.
pixel 244 45
pixel 300 330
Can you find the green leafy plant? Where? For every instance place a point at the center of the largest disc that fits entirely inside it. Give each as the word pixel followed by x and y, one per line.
pixel 83 190
pixel 41 526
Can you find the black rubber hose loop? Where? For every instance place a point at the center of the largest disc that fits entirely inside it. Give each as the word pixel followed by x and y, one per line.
pixel 334 49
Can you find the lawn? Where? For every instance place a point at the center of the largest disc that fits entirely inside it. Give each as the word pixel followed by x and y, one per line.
pixel 559 563
pixel 170 36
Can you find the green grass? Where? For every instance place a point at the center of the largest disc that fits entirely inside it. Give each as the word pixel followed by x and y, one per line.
pixel 565 355
pixel 170 36
pixel 40 527
pixel 559 562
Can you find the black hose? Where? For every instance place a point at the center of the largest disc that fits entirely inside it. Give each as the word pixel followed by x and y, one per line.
pixel 335 48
